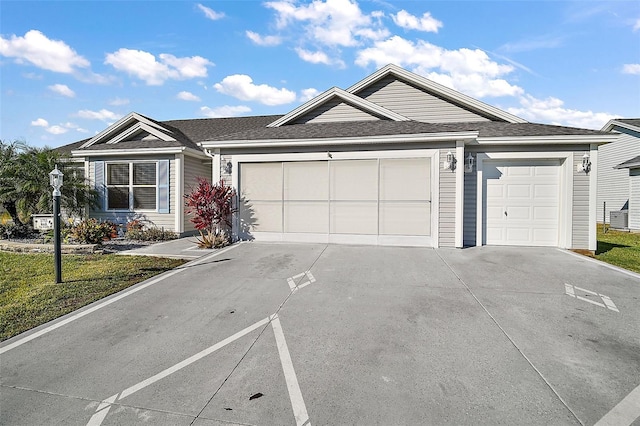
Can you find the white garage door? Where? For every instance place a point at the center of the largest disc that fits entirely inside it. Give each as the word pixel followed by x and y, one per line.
pixel 360 201
pixel 521 200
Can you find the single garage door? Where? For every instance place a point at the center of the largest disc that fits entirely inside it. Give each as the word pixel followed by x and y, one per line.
pixel 361 201
pixel 521 202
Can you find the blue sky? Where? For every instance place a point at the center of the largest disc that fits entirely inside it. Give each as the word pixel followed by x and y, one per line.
pixel 70 68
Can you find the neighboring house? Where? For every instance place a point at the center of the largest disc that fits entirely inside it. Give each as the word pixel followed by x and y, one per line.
pixel 633 167
pixel 613 182
pixel 395 159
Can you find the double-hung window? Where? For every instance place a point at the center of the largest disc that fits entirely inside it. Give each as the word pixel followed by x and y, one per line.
pixel 132 186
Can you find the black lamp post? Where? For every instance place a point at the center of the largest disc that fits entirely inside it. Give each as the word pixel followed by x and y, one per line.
pixel 56 177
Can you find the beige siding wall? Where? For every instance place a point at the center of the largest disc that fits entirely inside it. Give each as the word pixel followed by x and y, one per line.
pixel 415 103
pixel 334 111
pixel 580 204
pixel 164 220
pixel 447 203
pixel 634 200
pixel 193 168
pixel 613 184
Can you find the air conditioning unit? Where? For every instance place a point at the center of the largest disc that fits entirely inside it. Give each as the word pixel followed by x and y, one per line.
pixel 619 219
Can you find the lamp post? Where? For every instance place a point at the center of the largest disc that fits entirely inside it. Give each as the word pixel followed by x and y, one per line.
pixel 55 178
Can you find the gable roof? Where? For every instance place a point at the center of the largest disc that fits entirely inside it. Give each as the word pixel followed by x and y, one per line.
pixel 437 90
pixel 629 164
pixel 631 124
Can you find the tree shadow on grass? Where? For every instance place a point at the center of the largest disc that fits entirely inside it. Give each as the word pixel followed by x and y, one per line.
pixel 604 247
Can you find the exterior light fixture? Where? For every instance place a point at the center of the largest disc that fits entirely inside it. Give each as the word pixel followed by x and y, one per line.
pixel 586 164
pixel 228 168
pixel 56 177
pixel 450 162
pixel 468 164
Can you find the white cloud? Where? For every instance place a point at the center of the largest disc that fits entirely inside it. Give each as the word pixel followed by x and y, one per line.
pixel 146 67
pixel 63 90
pixel 469 71
pixel 426 23
pixel 224 111
pixel 552 110
pixel 308 94
pixel 263 40
pixel 636 25
pixel 37 49
pixel 103 115
pixel 631 69
pixel 57 130
pixel 187 96
pixel 75 127
pixel 210 13
pixel 330 22
pixel 241 87
pixel 40 122
pixel 119 101
pixel 318 57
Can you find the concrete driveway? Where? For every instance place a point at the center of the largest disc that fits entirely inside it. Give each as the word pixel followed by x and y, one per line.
pixel 325 335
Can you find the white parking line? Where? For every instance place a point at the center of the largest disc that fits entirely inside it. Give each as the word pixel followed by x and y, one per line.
pixel 136 289
pixel 295 395
pixel 607 302
pixel 292 281
pixel 625 413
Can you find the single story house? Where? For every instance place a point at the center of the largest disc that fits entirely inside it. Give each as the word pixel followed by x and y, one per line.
pixel 395 159
pixel 614 183
pixel 633 167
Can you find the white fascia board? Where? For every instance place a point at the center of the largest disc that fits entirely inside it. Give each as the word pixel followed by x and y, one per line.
pixel 141 127
pixel 360 140
pixel 118 125
pixel 615 123
pixel 437 88
pixel 544 140
pixel 346 97
pixel 120 152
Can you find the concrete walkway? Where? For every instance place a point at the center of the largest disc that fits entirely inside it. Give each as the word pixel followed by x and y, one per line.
pixel 182 248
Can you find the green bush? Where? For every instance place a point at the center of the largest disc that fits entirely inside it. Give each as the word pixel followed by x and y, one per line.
pixel 92 231
pixel 137 231
pixel 12 231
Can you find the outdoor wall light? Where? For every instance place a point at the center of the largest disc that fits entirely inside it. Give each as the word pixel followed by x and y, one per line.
pixel 586 164
pixel 450 162
pixel 228 168
pixel 468 164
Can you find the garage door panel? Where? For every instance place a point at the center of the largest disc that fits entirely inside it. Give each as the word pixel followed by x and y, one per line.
pixel 546 192
pixel 405 179
pixel 263 216
pixel 405 218
pixel 354 180
pixel 261 181
pixel 306 216
pixel 354 217
pixel 519 235
pixel 515 213
pixel 519 191
pixel 308 180
pixel 495 191
pixel 549 214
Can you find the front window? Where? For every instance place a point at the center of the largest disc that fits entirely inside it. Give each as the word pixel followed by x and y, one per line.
pixel 131 186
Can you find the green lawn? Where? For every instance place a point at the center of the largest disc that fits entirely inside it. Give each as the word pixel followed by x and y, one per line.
pixel 619 248
pixel 29 297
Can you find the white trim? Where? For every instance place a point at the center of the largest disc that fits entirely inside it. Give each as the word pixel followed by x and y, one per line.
pixel 139 151
pixel 137 128
pixel 130 185
pixel 179 191
pixel 459 214
pixel 547 140
pixel 565 220
pixel 409 240
pixel 346 97
pixel 615 123
pixel 118 125
pixel 396 138
pixel 593 194
pixel 440 90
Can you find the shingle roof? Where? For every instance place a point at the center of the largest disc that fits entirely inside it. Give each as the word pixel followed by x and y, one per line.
pixel 387 127
pixel 629 164
pixel 631 121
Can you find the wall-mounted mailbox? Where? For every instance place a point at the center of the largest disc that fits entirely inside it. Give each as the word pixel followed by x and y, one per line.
pixel 43 222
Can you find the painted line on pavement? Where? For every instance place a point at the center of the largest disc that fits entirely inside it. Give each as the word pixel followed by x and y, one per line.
pixel 92 309
pixel 625 413
pixel 297 401
pixel 607 302
pixel 105 406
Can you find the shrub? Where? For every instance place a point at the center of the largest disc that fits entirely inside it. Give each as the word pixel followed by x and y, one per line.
pixel 13 231
pixel 211 207
pixel 92 231
pixel 137 231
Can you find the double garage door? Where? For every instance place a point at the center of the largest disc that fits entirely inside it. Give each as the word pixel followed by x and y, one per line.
pixel 374 201
pixel 521 202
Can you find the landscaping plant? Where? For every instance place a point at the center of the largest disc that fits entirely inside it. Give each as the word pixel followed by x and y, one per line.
pixel 137 231
pixel 211 207
pixel 92 231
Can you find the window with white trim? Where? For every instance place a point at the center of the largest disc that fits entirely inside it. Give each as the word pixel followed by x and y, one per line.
pixel 132 186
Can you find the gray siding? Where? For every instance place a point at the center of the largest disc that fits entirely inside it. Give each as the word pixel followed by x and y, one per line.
pixel 415 103
pixel 166 221
pixel 613 184
pixel 447 207
pixel 470 207
pixel 193 168
pixel 335 111
pixel 580 204
pixel 634 200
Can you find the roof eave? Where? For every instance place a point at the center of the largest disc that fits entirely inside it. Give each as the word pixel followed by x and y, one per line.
pixel 548 140
pixel 141 151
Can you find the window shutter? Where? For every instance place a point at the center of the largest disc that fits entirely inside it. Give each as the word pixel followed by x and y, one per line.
pixel 163 186
pixel 99 184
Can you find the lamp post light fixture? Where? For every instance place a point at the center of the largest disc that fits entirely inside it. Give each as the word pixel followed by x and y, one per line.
pixel 56 178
